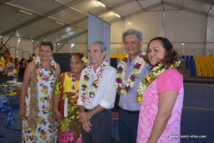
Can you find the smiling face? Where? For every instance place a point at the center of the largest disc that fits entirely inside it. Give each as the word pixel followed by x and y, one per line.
pixel 76 64
pixel 155 52
pixel 95 54
pixel 45 52
pixel 132 44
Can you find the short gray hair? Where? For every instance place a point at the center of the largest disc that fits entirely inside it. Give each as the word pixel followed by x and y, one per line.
pixel 102 46
pixel 132 31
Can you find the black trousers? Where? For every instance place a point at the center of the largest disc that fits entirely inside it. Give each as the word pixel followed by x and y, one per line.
pixel 128 124
pixel 101 128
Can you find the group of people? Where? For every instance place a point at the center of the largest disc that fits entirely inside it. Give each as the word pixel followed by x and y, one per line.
pixel 149 84
pixel 7 68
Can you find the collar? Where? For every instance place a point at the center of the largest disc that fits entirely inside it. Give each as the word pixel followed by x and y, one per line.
pixel 97 70
pixel 133 61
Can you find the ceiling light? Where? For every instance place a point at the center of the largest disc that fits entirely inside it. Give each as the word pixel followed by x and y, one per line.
pixel 100 3
pixel 58 44
pixel 60 23
pixel 116 14
pixel 72 45
pixel 25 12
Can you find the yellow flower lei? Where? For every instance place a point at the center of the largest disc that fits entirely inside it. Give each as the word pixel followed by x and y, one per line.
pixel 153 74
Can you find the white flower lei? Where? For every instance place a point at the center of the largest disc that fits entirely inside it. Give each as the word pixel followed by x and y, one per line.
pixel 138 66
pixel 87 97
pixel 73 85
pixel 51 72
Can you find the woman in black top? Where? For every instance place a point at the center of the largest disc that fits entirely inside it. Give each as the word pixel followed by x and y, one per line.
pixel 21 70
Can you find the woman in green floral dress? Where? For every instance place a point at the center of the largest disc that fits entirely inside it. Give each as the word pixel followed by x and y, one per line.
pixel 70 130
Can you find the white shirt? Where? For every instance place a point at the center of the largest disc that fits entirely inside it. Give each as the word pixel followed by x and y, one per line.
pixel 106 91
pixel 10 69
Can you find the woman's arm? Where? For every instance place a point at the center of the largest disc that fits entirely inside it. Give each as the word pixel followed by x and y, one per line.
pixel 56 99
pixel 58 70
pixel 25 84
pixel 166 103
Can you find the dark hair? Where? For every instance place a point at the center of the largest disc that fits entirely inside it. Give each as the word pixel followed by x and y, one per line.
pixel 170 57
pixel 11 60
pixel 77 54
pixel 16 60
pixel 47 43
pixel 21 61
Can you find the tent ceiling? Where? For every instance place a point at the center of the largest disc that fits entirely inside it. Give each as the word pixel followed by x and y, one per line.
pixel 62 20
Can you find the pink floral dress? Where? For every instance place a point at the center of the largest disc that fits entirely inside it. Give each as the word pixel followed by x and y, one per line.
pixel 172 80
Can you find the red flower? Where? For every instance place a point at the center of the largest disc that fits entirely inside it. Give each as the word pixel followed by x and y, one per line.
pixel 51 73
pixel 48 99
pixel 43 120
pixel 94 85
pixel 42 133
pixel 146 80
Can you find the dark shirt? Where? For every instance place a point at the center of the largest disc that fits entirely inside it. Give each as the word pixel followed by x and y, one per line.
pixel 22 70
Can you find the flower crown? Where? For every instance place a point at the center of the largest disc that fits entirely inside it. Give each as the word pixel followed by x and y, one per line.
pixel 84 59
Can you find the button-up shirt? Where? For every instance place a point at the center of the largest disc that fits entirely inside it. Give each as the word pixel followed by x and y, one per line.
pixel 106 91
pixel 127 100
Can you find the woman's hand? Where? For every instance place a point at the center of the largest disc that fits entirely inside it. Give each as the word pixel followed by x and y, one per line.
pixel 58 115
pixel 22 113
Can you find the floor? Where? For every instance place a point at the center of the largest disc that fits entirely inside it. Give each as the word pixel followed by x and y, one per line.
pixel 197 124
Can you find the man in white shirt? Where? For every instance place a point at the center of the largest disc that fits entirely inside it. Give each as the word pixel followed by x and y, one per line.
pixel 97 93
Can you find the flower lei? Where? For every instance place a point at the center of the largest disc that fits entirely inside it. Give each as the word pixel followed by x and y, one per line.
pixel 138 66
pixel 51 72
pixel 87 97
pixel 153 74
pixel 73 84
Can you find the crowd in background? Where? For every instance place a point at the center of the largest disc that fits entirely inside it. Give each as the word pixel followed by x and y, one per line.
pixel 11 66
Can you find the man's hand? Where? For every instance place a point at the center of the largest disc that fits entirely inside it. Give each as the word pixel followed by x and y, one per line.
pixel 85 116
pixel 87 126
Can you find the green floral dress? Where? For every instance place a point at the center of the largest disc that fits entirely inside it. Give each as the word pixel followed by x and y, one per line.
pixel 70 129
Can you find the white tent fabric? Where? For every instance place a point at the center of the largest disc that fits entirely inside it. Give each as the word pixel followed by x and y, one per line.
pixel 66 21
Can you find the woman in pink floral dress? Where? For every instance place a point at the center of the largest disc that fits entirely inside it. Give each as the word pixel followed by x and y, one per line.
pixel 162 100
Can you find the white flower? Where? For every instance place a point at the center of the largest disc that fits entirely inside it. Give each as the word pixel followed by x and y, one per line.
pixel 121 75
